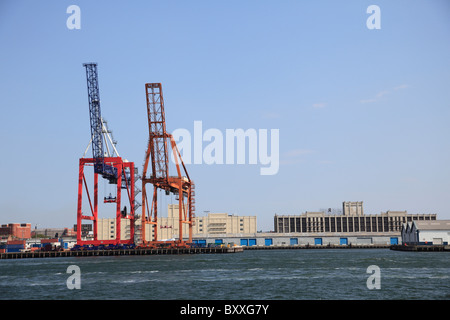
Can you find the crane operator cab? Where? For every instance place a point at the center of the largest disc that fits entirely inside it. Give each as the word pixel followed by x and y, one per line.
pixel 109 199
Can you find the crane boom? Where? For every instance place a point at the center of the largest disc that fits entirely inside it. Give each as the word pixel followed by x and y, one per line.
pixel 100 167
pixel 159 144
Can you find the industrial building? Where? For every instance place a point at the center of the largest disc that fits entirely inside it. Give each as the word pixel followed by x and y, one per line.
pixel 168 227
pixel 426 232
pixel 352 220
pixel 106 229
pixel 15 231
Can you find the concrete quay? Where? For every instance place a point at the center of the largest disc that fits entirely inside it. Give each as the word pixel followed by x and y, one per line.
pixel 119 252
pixel 420 248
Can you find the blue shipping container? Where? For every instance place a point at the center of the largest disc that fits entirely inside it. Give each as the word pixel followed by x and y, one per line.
pixel 14 246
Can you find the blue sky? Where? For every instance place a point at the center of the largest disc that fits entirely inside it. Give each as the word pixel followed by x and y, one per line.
pixel 363 114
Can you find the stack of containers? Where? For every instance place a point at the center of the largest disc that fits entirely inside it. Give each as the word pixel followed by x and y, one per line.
pixel 49 244
pixel 15 245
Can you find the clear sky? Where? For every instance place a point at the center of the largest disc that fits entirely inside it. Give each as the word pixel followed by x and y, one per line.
pixel 363 114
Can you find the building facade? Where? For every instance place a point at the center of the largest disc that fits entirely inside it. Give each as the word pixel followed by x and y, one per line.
pixel 426 232
pixel 211 224
pixel 106 229
pixel 352 220
pixel 168 227
pixel 15 230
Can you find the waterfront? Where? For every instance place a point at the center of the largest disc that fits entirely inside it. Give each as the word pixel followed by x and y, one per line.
pixel 326 274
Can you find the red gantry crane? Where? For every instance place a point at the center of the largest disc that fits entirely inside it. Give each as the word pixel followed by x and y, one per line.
pixel 158 151
pixel 112 168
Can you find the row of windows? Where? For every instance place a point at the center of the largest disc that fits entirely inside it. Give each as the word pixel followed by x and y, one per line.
pixel 343 224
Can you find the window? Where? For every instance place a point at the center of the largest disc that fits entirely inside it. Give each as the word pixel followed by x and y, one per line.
pixel 362 225
pixel 385 224
pixel 304 229
pixel 350 224
pixel 292 224
pixel 344 224
pixel 338 224
pixel 327 224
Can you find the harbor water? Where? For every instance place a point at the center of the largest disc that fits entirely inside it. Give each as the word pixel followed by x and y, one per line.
pixel 313 274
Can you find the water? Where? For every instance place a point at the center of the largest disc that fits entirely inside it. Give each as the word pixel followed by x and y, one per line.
pixel 327 274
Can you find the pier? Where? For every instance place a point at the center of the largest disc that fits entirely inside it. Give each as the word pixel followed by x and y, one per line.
pixel 311 246
pixel 119 252
pixel 421 248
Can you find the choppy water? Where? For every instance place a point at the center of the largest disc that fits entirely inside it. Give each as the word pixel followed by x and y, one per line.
pixel 263 274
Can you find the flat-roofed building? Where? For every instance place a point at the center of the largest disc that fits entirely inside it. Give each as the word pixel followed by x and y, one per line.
pixel 15 230
pixel 211 224
pixel 106 229
pixel 168 227
pixel 353 219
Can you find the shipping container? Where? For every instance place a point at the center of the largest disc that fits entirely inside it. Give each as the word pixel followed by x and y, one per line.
pixel 49 240
pixel 22 242
pixel 15 246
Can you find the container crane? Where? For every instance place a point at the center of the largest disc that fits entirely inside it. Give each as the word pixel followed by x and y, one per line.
pixel 158 151
pixel 112 168
pixel 100 166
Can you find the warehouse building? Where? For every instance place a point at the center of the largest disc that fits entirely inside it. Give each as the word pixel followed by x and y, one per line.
pixel 168 227
pixel 106 229
pixel 426 232
pixel 297 239
pixel 352 220
pixel 15 231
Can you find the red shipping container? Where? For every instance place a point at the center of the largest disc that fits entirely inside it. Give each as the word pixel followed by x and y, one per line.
pixel 22 242
pixel 49 240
